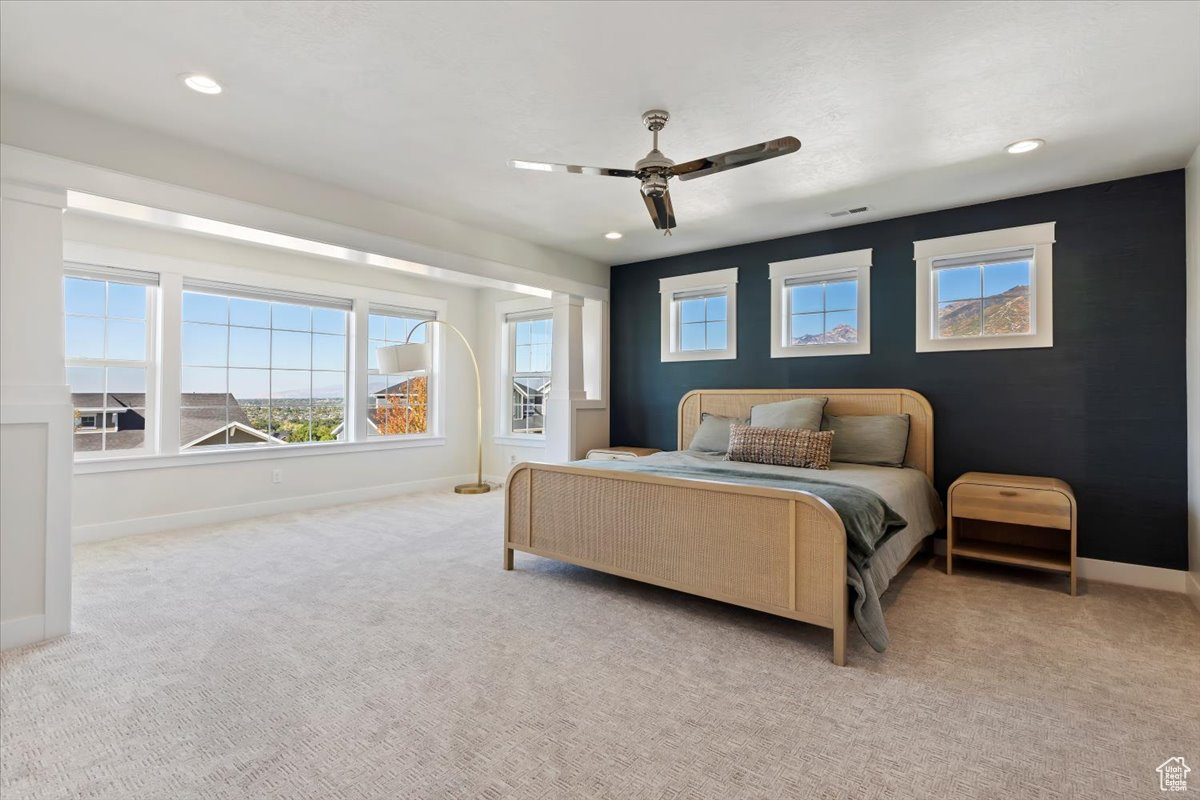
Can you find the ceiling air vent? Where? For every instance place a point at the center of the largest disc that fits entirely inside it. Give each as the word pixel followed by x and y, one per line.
pixel 845 212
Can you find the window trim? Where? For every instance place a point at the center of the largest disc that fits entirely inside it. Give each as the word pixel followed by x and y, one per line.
pixel 240 291
pixel 89 269
pixel 432 383
pixel 721 280
pixel 510 322
pixel 857 262
pixel 1039 237
pixel 511 311
pixel 167 363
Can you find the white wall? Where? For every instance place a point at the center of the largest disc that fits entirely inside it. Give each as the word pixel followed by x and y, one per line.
pixel 115 503
pixel 43 127
pixel 35 421
pixel 1193 367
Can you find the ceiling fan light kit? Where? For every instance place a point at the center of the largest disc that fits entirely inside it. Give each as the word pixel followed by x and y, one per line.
pixel 655 171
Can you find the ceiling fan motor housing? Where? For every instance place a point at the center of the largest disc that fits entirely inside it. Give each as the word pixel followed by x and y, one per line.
pixel 654 184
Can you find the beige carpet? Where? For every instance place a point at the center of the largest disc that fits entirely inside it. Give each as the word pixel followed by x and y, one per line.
pixel 379 651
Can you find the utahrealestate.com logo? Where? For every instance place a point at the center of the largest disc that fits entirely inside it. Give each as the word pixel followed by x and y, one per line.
pixel 1172 775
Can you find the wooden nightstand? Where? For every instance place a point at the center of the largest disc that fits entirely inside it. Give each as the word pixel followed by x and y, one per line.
pixel 1012 519
pixel 620 453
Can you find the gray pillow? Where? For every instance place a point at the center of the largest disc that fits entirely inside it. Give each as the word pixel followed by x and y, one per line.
pixel 713 434
pixel 878 440
pixel 803 412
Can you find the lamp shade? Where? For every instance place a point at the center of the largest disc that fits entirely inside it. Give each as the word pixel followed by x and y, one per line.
pixel 398 358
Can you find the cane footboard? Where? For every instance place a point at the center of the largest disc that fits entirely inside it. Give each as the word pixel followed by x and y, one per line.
pixel 775 550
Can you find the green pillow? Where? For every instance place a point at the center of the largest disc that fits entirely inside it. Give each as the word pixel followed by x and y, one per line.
pixel 803 412
pixel 880 440
pixel 713 434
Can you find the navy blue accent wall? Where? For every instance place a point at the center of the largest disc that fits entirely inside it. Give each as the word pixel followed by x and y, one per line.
pixel 1104 409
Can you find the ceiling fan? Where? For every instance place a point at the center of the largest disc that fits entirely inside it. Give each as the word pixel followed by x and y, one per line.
pixel 655 170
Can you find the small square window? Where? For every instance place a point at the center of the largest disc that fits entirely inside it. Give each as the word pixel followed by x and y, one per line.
pixel 821 305
pixel 990 290
pixel 699 316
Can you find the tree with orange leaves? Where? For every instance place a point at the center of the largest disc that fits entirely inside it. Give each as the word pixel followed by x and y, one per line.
pixel 406 410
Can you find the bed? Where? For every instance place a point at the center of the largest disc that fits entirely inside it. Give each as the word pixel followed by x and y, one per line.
pixel 682 521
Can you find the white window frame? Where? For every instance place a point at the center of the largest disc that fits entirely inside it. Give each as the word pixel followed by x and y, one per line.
pixel 172 271
pixel 719 281
pixel 1041 286
pixel 258 293
pixel 508 311
pixel 856 265
pixel 511 374
pixel 89 270
pixel 432 407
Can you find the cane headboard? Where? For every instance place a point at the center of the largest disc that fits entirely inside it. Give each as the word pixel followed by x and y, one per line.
pixel 842 402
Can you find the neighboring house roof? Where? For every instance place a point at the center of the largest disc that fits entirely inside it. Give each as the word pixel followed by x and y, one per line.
pixel 401 388
pixel 531 386
pixel 90 441
pixel 201 415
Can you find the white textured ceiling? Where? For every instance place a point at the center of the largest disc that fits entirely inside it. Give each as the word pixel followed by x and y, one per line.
pixel 901 106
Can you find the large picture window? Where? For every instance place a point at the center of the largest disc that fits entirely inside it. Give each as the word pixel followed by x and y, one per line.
pixel 397 405
pixel 530 339
pixel 202 362
pixel 260 369
pixel 109 345
pixel 985 291
pixel 821 306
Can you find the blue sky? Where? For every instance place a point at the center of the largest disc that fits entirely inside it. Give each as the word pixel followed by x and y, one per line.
pixel 963 283
pixel 257 349
pixel 702 323
pixel 532 345
pixel 820 307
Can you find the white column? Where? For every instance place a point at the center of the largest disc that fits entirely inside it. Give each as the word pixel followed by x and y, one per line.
pixel 355 426
pixel 566 387
pixel 35 419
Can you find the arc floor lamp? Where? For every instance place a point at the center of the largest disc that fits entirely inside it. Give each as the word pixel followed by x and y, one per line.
pixel 413 356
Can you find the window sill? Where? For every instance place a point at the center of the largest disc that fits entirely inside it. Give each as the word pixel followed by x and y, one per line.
pixel 698 355
pixel 531 440
pixel 126 463
pixel 994 342
pixel 804 351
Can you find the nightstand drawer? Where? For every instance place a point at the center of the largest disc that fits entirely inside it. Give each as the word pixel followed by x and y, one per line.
pixel 1040 507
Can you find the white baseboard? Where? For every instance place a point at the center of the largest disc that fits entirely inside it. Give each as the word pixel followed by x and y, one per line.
pixel 1164 580
pixel 22 631
pixel 1095 569
pixel 212 516
pixel 1193 588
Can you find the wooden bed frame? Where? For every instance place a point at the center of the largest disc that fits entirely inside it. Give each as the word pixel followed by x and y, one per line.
pixel 782 551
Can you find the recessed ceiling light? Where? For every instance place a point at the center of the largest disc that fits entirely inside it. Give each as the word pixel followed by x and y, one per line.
pixel 201 83
pixel 613 235
pixel 1025 146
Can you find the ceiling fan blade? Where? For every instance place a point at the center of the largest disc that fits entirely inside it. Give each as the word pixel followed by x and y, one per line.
pixel 544 166
pixel 661 211
pixel 736 158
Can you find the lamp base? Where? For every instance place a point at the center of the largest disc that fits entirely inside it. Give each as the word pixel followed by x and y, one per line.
pixel 472 488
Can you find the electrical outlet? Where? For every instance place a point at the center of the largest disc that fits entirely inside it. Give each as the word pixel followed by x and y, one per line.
pixel 512 460
pixel 276 476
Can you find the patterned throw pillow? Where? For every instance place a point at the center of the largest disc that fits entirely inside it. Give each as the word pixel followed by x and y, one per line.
pixel 785 447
